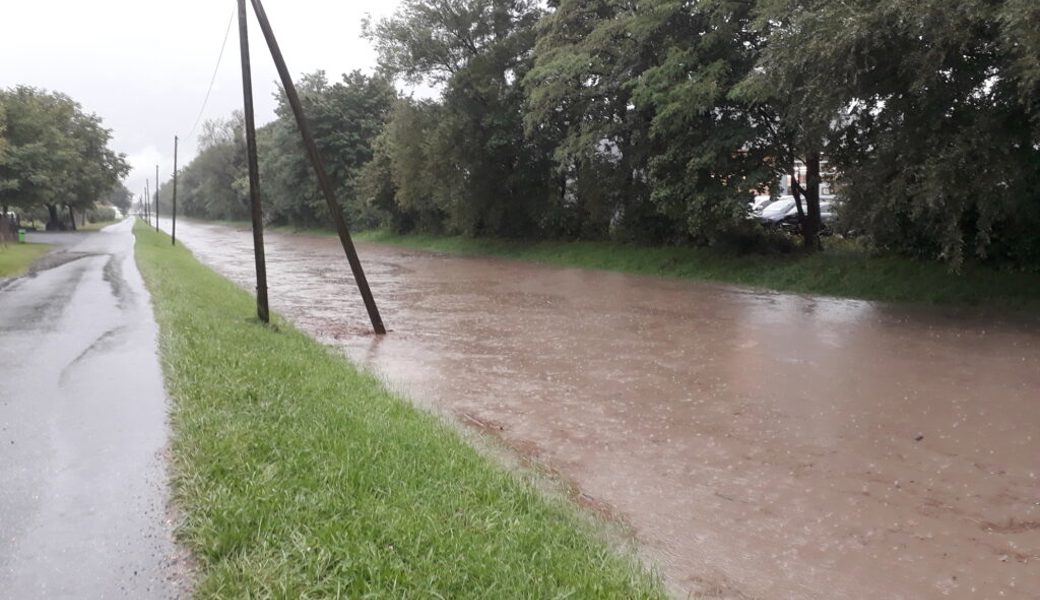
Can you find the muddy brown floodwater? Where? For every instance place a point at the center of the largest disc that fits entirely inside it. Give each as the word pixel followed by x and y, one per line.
pixel 759 445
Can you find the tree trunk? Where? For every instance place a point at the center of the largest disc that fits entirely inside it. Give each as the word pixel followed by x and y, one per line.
pixel 7 227
pixel 72 218
pixel 53 220
pixel 811 224
pixel 796 191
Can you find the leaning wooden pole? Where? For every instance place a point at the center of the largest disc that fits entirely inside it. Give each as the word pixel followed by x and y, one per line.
pixel 173 231
pixel 319 169
pixel 254 170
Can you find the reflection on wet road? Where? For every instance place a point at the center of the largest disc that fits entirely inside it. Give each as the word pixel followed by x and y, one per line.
pixel 83 494
pixel 759 445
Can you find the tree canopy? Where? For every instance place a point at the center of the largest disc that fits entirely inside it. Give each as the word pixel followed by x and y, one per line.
pixel 657 121
pixel 53 154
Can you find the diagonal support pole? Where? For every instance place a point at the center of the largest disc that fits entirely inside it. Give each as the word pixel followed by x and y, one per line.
pixel 319 169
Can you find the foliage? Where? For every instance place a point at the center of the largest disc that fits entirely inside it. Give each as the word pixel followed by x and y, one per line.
pixel 119 197
pixel 657 121
pixel 345 118
pixel 215 184
pixel 53 154
pixel 580 98
pixel 715 149
pixel 484 174
pixel 101 214
pixel 399 181
pixel 926 105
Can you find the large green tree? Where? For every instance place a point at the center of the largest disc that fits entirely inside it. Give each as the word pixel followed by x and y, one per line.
pixel 484 173
pixel 399 182
pixel 214 185
pixel 57 156
pixel 657 120
pixel 927 107
pixel 345 117
pixel 580 95
pixel 714 147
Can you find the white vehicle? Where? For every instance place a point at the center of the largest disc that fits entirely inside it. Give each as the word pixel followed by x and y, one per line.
pixel 759 203
pixel 779 210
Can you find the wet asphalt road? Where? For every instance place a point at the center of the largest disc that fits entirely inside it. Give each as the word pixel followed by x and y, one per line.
pixel 83 503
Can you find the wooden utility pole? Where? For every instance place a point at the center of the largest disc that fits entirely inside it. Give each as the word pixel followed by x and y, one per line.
pixel 156 198
pixel 254 170
pixel 147 201
pixel 312 153
pixel 173 230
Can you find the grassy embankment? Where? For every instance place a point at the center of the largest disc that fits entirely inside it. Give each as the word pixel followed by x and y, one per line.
pixel 299 476
pixel 844 270
pixel 15 258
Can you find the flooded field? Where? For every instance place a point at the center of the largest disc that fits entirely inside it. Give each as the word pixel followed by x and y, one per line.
pixel 759 445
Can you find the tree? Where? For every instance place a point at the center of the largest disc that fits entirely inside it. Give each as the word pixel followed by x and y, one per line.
pixel 97 169
pixel 925 107
pixel 400 180
pixel 657 120
pixel 580 97
pixel 214 185
pixel 345 117
pixel 57 155
pixel 120 197
pixel 714 148
pixel 484 174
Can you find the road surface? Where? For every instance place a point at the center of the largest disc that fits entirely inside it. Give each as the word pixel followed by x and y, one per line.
pixel 759 445
pixel 83 498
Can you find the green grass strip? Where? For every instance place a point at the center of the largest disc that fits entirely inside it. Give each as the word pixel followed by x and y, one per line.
pixel 15 259
pixel 843 270
pixel 299 476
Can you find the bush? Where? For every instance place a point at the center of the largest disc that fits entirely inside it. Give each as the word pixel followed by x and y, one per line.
pixel 101 214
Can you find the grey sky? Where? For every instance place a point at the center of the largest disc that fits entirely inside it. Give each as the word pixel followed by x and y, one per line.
pixel 144 65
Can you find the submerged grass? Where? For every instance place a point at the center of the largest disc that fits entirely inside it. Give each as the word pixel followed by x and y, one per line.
pixel 15 259
pixel 843 270
pixel 299 476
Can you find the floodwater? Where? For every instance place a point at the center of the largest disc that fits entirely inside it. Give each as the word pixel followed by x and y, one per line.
pixel 758 445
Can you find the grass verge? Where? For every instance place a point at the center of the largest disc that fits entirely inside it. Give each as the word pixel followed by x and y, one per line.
pixel 300 477
pixel 843 270
pixel 15 259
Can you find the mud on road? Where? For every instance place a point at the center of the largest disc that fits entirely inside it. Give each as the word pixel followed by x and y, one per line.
pixel 759 445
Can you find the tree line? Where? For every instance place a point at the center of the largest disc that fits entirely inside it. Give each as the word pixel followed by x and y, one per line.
pixel 657 121
pixel 55 159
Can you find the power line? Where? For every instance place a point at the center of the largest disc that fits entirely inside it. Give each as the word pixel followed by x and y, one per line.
pixel 216 69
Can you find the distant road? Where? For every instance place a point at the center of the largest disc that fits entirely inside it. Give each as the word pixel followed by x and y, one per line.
pixel 83 498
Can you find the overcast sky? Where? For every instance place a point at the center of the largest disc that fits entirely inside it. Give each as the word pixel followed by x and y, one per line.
pixel 144 65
